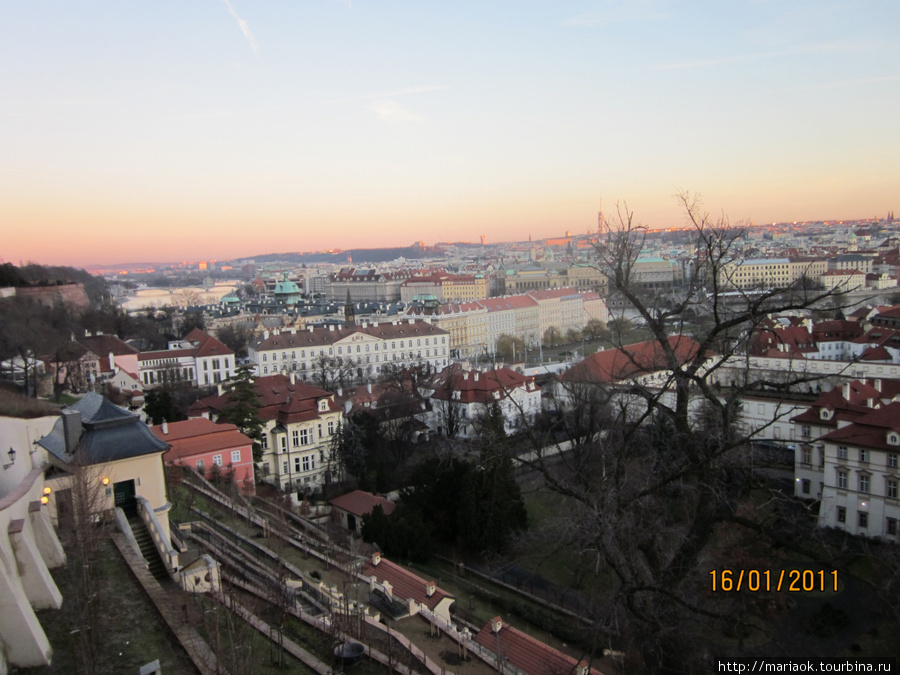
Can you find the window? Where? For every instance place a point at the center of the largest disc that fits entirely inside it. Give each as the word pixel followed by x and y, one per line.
pixel 892 526
pixel 805 486
pixel 200 466
pixel 864 456
pixel 297 464
pixel 235 456
pixel 864 483
pixel 331 427
pixel 804 430
pixel 892 460
pixel 805 456
pixel 304 437
pixel 284 467
pixel 841 514
pixel 295 438
pixel 863 518
pixel 264 442
pixel 842 480
pixel 309 462
pixel 891 490
pixel 217 460
pixel 283 442
pixel 842 452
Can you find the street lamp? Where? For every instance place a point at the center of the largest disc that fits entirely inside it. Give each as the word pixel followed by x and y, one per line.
pixel 12 458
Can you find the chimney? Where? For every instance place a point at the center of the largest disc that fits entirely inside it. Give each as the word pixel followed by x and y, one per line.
pixel 165 428
pixel 376 558
pixel 340 391
pixel 475 376
pixel 429 588
pixel 388 589
pixel 265 335
pixel 496 624
pixel 309 328
pixel 71 428
pixel 112 361
pixel 846 392
pixel 293 377
pixel 878 384
pixel 331 327
pixel 348 406
pixel 219 389
pixel 582 668
pixel 369 387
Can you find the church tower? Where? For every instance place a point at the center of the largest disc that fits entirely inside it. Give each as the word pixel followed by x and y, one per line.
pixel 349 313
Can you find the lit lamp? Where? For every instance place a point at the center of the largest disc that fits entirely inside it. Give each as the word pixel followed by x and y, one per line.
pixel 45 499
pixel 105 480
pixel 12 458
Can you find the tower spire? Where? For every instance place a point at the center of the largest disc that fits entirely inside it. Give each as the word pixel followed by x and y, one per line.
pixel 349 313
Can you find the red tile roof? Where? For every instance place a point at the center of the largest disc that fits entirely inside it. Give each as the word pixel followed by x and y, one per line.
pixel 508 302
pixel 206 344
pixel 278 399
pixel 870 431
pixel 104 344
pixel 405 584
pixel 847 402
pixel 199 436
pixel 360 503
pixel 525 652
pixel 631 361
pixel 477 387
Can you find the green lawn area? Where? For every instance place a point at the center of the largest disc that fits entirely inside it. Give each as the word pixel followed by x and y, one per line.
pixel 132 632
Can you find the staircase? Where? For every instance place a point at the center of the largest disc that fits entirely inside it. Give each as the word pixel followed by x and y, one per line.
pixel 148 549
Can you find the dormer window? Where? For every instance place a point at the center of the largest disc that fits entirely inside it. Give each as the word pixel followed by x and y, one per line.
pixel 893 438
pixel 323 405
pixel 825 414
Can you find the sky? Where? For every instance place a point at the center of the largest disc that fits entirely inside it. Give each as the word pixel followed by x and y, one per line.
pixel 217 129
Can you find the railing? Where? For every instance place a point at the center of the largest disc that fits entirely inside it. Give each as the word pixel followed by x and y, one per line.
pixel 163 546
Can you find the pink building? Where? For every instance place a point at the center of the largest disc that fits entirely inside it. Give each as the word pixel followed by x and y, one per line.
pixel 201 444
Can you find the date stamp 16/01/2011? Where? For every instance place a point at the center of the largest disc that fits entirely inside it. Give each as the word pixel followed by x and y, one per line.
pixel 793 581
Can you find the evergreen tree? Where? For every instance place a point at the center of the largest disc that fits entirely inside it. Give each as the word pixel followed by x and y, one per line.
pixel 160 406
pixel 348 450
pixel 242 408
pixel 492 509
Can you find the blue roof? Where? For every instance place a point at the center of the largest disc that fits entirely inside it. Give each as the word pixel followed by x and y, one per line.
pixel 108 434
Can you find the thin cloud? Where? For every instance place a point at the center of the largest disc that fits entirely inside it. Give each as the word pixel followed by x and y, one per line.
pixel 391 111
pixel 245 29
pixel 832 47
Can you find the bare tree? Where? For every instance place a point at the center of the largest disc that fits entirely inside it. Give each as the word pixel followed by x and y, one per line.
pixel 84 523
pixel 655 467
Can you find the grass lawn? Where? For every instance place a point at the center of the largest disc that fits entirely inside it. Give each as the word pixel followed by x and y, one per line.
pixel 131 631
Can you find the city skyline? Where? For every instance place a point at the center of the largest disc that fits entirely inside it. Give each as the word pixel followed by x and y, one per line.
pixel 228 129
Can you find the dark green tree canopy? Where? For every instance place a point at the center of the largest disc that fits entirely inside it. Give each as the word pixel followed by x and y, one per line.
pixel 242 408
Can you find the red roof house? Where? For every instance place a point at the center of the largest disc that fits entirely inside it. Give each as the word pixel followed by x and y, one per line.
pixel 201 444
pixel 528 654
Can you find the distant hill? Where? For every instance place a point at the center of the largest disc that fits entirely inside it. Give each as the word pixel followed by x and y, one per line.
pixel 359 256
